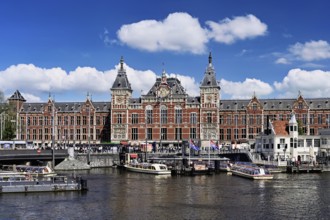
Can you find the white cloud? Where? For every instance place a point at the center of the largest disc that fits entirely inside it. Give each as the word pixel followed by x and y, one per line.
pixel 180 32
pixel 246 89
pixel 282 60
pixel 312 50
pixel 188 83
pixel 170 34
pixel 314 83
pixel 239 28
pixel 35 82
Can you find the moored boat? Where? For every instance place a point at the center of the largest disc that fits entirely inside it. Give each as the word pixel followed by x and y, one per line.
pixel 43 171
pixel 15 184
pixel 251 171
pixel 149 168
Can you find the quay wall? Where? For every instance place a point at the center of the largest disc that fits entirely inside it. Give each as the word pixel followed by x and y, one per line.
pixel 98 160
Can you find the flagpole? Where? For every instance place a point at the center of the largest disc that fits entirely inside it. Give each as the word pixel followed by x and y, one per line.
pixel 209 153
pixel 189 153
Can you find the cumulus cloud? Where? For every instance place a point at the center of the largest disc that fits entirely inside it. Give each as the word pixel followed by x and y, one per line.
pixel 180 32
pixel 189 84
pixel 310 51
pixel 37 83
pixel 239 28
pixel 245 89
pixel 170 34
pixel 314 83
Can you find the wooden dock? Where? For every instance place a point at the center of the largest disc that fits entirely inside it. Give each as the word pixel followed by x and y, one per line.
pixel 304 169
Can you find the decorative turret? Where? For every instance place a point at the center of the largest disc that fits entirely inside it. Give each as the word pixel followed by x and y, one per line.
pixel 121 82
pixel 16 100
pixel 209 80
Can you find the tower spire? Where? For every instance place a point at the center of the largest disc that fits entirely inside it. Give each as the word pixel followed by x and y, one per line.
pixel 210 58
pixel 121 63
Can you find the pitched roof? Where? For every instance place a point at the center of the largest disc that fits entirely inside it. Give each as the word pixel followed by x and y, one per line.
pixel 121 81
pixel 280 127
pixel 209 79
pixel 17 96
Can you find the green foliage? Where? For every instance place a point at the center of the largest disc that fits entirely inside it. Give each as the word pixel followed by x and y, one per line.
pixel 8 132
pixel 300 128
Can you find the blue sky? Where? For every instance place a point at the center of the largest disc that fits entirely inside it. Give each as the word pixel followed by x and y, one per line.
pixel 69 48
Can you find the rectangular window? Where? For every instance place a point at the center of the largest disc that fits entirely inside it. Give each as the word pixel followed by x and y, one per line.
pixel 135 133
pixel 319 119
pixel 259 120
pixel 309 142
pixel 221 133
pixel 78 120
pixel 228 119
pixel 193 118
pixel 251 133
pixel 228 134
pixel 84 120
pixel 84 133
pixel 40 134
pixel 34 134
pixel 304 119
pixel 98 120
pixel 149 117
pixel 192 134
pixel 251 122
pixel 46 120
pixel 243 119
pixel 59 120
pixel 164 133
pixel 311 119
pixel 119 119
pixel 209 117
pixel 243 133
pixel 66 120
pixel 78 134
pixel 163 116
pixel 236 134
pixel 34 121
pixel 236 119
pixel 91 120
pixel 149 133
pixel 178 133
pixel 135 118
pixel 178 116
pixel 71 135
pixel 40 120
pixel 316 142
pixel 221 119
pixel 71 120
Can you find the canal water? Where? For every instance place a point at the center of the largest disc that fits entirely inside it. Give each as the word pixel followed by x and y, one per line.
pixel 116 194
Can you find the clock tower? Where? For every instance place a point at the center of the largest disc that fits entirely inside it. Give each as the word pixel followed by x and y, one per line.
pixel 121 92
pixel 210 102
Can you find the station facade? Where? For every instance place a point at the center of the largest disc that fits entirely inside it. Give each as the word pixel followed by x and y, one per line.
pixel 165 115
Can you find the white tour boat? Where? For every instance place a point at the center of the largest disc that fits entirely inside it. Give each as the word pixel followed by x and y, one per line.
pixel 45 171
pixel 251 171
pixel 149 168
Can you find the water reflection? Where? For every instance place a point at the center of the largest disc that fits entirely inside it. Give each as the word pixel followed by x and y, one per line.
pixel 115 194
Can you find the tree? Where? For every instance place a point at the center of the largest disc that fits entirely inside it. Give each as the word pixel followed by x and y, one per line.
pixel 8 132
pixel 2 97
pixel 300 128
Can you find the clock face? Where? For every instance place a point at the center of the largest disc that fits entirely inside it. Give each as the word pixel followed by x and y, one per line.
pixel 209 98
pixel 119 100
pixel 163 92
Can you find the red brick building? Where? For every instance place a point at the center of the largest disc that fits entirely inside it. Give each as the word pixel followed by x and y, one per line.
pixel 166 114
